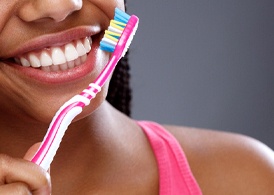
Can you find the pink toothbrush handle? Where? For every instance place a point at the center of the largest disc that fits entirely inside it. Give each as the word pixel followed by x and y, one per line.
pixel 59 125
pixel 66 113
pixel 74 106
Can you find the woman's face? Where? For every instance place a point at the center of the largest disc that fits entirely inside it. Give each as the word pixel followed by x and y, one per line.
pixel 49 53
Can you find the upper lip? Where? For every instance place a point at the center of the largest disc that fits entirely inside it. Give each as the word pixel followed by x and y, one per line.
pixel 54 39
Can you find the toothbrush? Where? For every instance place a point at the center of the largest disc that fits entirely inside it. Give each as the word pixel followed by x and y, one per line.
pixel 116 40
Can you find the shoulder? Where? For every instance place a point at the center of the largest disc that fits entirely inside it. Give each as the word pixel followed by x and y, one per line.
pixel 227 163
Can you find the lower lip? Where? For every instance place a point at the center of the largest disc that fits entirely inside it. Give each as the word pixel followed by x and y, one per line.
pixel 61 76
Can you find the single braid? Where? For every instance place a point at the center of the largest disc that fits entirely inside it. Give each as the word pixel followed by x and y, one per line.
pixel 119 94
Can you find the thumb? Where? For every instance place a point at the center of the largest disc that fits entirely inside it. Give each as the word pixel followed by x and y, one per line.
pixel 31 151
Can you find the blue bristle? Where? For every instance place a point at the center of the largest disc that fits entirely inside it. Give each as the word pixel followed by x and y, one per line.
pixel 106 47
pixel 116 37
pixel 121 17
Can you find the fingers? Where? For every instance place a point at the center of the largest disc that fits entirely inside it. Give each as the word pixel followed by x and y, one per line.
pixel 31 151
pixel 15 188
pixel 22 175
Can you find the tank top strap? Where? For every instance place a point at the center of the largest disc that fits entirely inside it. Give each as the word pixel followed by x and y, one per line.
pixel 175 174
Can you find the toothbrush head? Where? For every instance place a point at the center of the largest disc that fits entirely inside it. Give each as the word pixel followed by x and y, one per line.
pixel 120 33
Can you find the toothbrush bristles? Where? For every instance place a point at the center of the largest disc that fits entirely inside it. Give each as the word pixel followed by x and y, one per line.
pixel 115 30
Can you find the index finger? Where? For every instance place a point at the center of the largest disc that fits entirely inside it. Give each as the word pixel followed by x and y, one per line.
pixel 20 170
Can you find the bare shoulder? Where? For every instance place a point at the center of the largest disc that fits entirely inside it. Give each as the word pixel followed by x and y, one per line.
pixel 227 163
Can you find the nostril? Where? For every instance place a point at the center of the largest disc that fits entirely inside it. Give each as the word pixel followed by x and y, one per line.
pixel 78 4
pixel 42 10
pixel 66 9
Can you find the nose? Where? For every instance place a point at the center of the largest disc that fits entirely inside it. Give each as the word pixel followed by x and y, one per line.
pixel 56 10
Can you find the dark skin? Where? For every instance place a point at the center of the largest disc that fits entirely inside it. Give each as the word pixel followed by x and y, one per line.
pixel 221 162
pixel 226 163
pixel 103 151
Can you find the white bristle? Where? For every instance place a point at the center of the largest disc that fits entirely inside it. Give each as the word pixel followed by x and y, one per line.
pixel 109 41
pixel 110 28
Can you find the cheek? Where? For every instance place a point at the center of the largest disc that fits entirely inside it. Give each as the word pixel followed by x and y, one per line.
pixel 35 102
pixel 53 99
pixel 108 6
pixel 44 109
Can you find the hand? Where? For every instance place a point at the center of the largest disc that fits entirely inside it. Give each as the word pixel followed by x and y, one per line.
pixel 20 176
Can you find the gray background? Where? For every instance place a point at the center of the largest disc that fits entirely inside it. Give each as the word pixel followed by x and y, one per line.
pixel 205 64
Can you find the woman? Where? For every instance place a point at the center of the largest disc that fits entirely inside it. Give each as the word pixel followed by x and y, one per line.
pixel 104 151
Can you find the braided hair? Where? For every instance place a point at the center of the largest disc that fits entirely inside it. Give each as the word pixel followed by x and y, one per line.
pixel 119 94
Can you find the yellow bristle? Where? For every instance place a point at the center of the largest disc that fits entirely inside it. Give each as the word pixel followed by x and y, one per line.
pixel 111 37
pixel 112 33
pixel 116 26
pixel 118 23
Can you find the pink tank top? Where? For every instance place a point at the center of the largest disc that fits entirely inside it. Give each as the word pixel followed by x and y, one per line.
pixel 176 177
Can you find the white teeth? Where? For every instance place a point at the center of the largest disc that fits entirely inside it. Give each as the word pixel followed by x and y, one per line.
pixel 70 64
pixel 63 66
pixel 24 62
pixel 54 68
pixel 58 56
pixel 87 44
pixel 83 58
pixel 45 59
pixel 81 50
pixel 45 68
pixel 70 52
pixel 66 57
pixel 77 62
pixel 34 61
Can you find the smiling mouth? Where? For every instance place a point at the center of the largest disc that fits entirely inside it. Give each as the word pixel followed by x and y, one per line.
pixel 57 58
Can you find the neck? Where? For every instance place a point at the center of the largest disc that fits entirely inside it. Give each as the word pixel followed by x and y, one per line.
pixel 18 135
pixel 93 149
